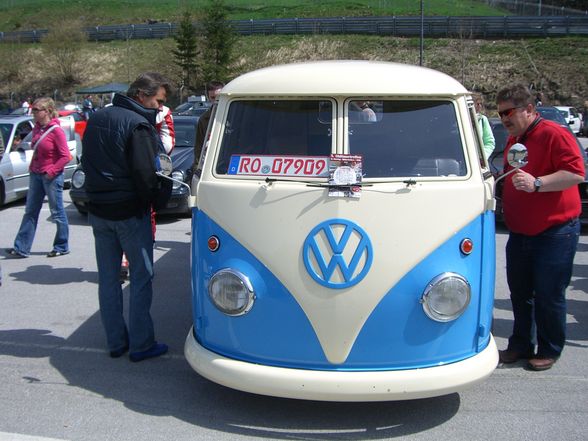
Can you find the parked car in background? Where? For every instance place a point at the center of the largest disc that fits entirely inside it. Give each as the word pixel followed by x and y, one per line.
pixel 572 118
pixel 182 158
pixel 497 158
pixel 16 134
pixel 79 118
pixel 192 108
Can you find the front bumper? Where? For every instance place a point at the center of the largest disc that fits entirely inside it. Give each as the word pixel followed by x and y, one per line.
pixel 177 204
pixel 79 198
pixel 341 385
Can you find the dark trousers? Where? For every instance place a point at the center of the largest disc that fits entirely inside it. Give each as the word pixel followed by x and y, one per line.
pixel 539 269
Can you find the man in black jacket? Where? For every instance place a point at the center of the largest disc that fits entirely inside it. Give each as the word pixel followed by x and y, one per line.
pixel 120 149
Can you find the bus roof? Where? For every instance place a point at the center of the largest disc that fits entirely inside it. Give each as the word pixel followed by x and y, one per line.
pixel 344 77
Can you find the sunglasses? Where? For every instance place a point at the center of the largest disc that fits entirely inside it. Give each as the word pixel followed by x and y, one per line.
pixel 35 109
pixel 508 112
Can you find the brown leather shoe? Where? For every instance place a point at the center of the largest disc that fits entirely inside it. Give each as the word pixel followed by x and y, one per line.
pixel 510 356
pixel 541 364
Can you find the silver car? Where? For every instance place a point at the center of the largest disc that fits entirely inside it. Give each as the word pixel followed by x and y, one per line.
pixel 16 152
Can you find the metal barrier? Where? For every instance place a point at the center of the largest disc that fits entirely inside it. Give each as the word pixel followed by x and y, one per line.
pixel 474 27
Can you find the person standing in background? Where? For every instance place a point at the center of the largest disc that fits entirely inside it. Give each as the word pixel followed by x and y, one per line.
pixel 213 90
pixel 51 154
pixel 487 135
pixel 87 106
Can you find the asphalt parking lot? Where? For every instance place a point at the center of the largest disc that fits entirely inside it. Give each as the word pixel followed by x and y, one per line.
pixel 59 383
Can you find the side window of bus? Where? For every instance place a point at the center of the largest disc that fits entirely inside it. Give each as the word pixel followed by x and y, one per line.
pixel 288 127
pixel 409 138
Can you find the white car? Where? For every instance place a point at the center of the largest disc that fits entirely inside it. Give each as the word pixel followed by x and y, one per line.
pixel 573 118
pixel 16 153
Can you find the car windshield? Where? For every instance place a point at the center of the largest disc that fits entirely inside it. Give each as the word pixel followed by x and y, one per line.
pixel 394 138
pixel 5 131
pixel 184 132
pixel 553 114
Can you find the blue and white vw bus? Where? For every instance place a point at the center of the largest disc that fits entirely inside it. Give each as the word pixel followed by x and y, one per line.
pixel 343 236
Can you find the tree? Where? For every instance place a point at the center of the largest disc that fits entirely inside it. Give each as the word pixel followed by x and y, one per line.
pixel 218 41
pixel 186 50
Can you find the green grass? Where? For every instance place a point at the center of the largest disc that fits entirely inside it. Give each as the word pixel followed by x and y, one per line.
pixel 46 14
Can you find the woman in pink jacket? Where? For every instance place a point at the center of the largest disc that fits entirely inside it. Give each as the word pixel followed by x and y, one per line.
pixel 50 156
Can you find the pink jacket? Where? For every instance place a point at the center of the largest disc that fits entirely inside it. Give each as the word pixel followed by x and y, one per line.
pixel 52 153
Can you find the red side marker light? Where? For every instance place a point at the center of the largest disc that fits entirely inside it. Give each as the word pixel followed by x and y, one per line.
pixel 466 246
pixel 213 243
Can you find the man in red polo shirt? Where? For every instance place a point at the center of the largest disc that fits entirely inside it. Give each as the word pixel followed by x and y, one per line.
pixel 541 206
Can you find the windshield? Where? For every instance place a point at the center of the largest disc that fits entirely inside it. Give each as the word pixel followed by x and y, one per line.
pixel 407 138
pixel 185 132
pixel 553 114
pixel 293 128
pixel 5 130
pixel 394 138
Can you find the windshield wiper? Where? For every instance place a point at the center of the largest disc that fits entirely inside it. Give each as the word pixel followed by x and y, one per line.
pixel 270 181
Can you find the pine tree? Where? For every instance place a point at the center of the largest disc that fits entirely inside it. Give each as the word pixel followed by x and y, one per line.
pixel 187 51
pixel 219 39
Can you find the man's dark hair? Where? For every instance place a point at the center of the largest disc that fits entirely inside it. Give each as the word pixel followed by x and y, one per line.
pixel 519 94
pixel 149 83
pixel 211 85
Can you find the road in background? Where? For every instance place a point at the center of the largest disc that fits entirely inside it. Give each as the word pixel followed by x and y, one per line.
pixel 58 381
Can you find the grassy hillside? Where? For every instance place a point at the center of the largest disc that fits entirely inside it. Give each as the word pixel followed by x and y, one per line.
pixel 558 67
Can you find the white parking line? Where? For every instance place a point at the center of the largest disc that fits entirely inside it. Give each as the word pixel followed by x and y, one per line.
pixel 4 436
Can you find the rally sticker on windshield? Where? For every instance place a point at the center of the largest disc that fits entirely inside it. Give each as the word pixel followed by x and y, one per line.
pixel 264 165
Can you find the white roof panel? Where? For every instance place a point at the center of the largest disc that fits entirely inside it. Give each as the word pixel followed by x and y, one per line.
pixel 344 77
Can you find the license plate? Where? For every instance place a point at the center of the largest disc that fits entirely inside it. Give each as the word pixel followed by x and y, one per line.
pixel 265 165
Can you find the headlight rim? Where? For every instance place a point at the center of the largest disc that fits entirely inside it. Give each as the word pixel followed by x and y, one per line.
pixel 436 316
pixel 78 175
pixel 247 285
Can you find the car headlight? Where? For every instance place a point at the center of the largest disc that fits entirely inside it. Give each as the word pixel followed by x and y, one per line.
pixel 78 178
pixel 446 297
pixel 179 176
pixel 231 292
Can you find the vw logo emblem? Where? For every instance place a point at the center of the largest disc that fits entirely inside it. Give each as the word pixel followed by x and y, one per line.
pixel 337 253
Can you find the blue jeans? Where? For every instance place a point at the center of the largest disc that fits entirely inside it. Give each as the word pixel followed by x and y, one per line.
pixel 134 237
pixel 538 270
pixel 39 186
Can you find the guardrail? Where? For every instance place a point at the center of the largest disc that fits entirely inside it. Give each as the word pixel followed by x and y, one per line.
pixel 473 27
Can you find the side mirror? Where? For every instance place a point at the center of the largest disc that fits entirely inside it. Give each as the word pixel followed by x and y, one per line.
pixel 516 157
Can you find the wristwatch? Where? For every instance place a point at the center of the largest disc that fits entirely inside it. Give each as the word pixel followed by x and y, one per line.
pixel 538 184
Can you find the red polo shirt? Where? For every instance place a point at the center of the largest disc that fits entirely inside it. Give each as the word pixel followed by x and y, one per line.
pixel 550 148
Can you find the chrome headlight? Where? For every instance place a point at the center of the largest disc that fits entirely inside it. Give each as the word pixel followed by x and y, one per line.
pixel 231 292
pixel 78 178
pixel 179 176
pixel 446 297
